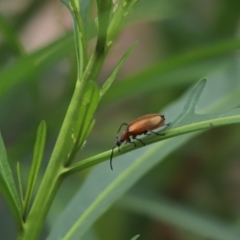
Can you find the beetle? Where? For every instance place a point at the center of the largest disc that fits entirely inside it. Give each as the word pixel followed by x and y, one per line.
pixel 141 125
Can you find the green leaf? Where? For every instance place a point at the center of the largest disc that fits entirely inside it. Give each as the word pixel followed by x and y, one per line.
pixel 36 163
pixel 8 187
pixel 110 80
pixel 104 12
pixel 80 35
pixel 88 131
pixel 85 115
pixel 82 6
pixel 135 237
pixel 96 196
pixel 120 12
pixel 23 69
pixel 175 71
pixel 20 184
pixel 187 121
pixel 91 235
pixel 87 205
pixel 167 211
pixel 10 36
pixel 84 11
pixel 89 105
pixel 151 10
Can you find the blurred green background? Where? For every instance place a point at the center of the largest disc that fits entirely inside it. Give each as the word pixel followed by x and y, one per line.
pixel 37 78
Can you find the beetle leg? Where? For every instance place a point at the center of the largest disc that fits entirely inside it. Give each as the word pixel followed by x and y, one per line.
pixel 146 133
pixel 129 141
pixel 159 134
pixel 119 150
pixel 134 137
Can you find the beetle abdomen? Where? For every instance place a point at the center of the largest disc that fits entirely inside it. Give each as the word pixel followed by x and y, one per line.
pixel 146 123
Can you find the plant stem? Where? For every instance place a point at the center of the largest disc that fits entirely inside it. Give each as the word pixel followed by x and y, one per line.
pixel 53 177
pixel 65 144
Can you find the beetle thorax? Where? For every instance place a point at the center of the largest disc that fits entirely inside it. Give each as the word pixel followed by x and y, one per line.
pixel 124 137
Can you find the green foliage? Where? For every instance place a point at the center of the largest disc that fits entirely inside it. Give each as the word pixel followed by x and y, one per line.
pixel 110 80
pixel 192 51
pixel 8 188
pixel 112 186
pixel 10 36
pixel 135 237
pixel 36 163
pixel 186 67
pixel 182 217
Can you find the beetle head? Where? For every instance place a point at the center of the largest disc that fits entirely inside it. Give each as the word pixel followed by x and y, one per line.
pixel 119 141
pixel 162 116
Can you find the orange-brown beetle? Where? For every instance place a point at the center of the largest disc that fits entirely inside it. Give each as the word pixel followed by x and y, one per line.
pixel 141 125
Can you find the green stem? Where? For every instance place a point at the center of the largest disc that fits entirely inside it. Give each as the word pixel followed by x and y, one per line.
pixel 204 125
pixel 57 166
pixel 53 177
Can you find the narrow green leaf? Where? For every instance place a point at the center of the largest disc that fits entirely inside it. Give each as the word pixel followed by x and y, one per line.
pixel 191 103
pixel 88 131
pixel 81 127
pixel 20 183
pixel 8 187
pixel 28 66
pixel 120 12
pixel 175 71
pixel 91 235
pixel 80 35
pixel 36 163
pixel 10 36
pixel 135 237
pixel 88 205
pixel 90 103
pixel 194 96
pixel 84 11
pixel 180 216
pixel 152 11
pixel 110 80
pixel 11 74
pixel 104 12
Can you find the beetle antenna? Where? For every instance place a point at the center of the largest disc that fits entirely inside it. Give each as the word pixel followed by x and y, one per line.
pixel 123 124
pixel 111 158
